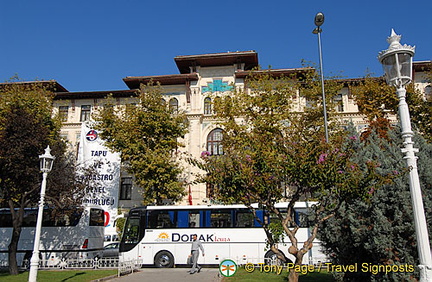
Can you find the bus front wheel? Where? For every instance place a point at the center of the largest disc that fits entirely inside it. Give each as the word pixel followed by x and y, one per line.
pixel 271 258
pixel 164 259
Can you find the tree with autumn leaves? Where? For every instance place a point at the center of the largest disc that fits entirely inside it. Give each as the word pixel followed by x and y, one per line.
pixel 275 152
pixel 27 126
pixel 377 101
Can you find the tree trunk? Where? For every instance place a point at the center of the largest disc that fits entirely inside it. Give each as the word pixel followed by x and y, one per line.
pixel 294 275
pixel 12 251
pixel 17 220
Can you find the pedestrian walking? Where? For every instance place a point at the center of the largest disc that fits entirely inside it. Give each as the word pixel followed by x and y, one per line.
pixel 196 246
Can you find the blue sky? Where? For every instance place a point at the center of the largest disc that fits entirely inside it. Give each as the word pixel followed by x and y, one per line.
pixel 91 45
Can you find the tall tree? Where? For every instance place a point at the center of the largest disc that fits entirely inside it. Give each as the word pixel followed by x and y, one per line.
pixel 27 126
pixel 380 231
pixel 146 134
pixel 275 151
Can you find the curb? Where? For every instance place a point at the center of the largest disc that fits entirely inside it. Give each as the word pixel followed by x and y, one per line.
pixel 105 278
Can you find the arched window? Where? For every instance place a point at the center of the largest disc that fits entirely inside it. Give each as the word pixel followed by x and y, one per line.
pixel 217 100
pixel 173 105
pixel 207 106
pixel 214 142
pixel 428 93
pixel 163 102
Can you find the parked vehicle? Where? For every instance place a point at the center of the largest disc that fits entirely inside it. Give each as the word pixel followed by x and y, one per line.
pixel 74 233
pixel 111 250
pixel 162 235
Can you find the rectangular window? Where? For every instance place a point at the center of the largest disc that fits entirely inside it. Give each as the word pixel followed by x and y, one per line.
pixel 245 218
pixel 194 219
pixel 188 218
pixel 221 218
pixel 339 103
pixel 63 113
pixel 162 219
pixel 97 217
pixel 132 231
pixel 6 218
pixel 85 112
pixel 126 188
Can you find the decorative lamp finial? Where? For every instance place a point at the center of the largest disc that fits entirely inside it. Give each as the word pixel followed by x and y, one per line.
pixel 394 40
pixel 395 46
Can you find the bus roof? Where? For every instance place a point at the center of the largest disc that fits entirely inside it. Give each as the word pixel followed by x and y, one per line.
pixel 212 207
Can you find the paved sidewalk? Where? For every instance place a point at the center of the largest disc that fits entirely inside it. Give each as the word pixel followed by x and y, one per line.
pixel 170 275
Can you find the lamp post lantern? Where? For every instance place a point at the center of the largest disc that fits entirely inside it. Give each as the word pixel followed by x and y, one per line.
pixel 319 20
pixel 46 162
pixel 397 64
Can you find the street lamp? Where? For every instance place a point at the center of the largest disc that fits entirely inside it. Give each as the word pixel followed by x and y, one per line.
pixel 46 163
pixel 397 64
pixel 319 20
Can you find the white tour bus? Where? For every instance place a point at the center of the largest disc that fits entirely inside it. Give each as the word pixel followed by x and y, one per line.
pixel 76 233
pixel 161 235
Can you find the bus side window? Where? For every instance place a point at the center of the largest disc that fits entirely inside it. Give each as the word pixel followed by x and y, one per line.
pixel 302 219
pixel 297 218
pixel 244 219
pixel 162 219
pixel 206 218
pixel 260 215
pixel 30 218
pixel 97 217
pixel 221 218
pixel 182 219
pixel 194 219
pixel 6 218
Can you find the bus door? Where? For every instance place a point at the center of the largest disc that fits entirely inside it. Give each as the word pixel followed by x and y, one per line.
pixel 132 236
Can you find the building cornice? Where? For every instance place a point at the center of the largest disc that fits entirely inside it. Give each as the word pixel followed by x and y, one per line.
pixel 134 82
pixel 275 72
pixel 248 58
pixel 95 94
pixel 421 66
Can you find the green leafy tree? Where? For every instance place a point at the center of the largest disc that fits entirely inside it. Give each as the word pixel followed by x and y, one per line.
pixel 146 134
pixel 380 231
pixel 26 128
pixel 271 146
pixel 375 98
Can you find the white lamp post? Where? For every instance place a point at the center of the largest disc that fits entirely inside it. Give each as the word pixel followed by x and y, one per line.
pixel 397 64
pixel 319 20
pixel 46 162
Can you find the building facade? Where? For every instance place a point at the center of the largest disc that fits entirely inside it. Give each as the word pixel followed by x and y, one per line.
pixel 200 79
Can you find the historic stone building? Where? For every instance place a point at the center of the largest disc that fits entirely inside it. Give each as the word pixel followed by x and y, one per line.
pixel 200 78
